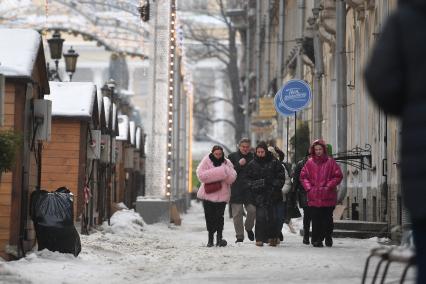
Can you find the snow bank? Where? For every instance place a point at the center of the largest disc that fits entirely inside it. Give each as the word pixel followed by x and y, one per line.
pixel 125 223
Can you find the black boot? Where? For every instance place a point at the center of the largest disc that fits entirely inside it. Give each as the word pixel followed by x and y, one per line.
pixel 219 241
pixel 317 244
pixel 210 242
pixel 250 235
pixel 329 241
pixel 306 239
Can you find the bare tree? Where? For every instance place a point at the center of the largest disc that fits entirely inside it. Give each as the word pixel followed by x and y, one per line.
pixel 223 47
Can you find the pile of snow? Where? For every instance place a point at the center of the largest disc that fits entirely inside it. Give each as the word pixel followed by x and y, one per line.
pixel 125 223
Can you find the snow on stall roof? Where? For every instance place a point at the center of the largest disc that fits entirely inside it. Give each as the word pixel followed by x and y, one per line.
pixel 138 138
pixel 114 115
pixel 132 125
pixel 18 51
pixel 107 105
pixel 100 101
pixel 72 99
pixel 123 127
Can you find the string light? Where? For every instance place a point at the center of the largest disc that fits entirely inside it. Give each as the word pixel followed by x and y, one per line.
pixel 172 43
pixel 46 9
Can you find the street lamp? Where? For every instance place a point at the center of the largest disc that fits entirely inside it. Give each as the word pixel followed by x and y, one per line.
pixel 144 11
pixel 70 61
pixel 106 90
pixel 55 48
pixel 111 84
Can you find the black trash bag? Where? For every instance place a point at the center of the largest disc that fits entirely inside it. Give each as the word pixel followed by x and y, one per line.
pixel 52 215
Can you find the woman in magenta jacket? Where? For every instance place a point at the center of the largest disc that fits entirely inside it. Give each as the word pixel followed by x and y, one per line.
pixel 213 168
pixel 320 177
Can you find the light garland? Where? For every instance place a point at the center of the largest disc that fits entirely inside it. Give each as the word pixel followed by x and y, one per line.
pixel 170 104
pixel 46 9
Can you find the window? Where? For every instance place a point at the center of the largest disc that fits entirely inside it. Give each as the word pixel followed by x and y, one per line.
pixel 399 208
pixel 374 209
pixel 348 206
pixel 364 209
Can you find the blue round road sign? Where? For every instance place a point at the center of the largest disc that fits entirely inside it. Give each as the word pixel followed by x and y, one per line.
pixel 294 96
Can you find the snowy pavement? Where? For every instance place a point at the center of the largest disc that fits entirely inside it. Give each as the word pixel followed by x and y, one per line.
pixel 159 253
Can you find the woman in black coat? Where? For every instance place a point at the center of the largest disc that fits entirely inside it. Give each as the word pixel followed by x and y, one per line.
pixel 266 177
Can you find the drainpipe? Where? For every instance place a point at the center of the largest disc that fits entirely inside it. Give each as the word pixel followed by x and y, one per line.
pixel 341 87
pixel 280 57
pixel 299 39
pixel 258 44
pixel 248 63
pixel 267 46
pixel 319 71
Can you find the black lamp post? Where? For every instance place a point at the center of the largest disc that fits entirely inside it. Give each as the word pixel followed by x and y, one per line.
pixel 108 90
pixel 55 47
pixel 70 61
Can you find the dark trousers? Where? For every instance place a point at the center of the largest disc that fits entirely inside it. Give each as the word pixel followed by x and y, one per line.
pixel 213 212
pixel 322 223
pixel 266 227
pixel 306 221
pixel 419 235
pixel 280 212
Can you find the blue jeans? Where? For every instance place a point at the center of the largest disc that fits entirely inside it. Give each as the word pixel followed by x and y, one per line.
pixel 419 235
pixel 280 212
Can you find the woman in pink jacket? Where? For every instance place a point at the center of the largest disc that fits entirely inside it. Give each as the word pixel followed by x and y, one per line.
pixel 320 177
pixel 216 174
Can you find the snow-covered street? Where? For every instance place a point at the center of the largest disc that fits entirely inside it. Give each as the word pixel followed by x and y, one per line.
pixel 177 254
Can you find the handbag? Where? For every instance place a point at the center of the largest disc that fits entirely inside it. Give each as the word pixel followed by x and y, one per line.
pixel 212 186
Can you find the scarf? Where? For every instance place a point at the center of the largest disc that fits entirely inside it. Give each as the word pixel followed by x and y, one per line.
pixel 216 162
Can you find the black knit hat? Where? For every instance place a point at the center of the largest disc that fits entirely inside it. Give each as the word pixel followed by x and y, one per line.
pixel 263 145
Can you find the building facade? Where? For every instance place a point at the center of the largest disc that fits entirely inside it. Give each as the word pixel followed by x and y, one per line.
pixel 327 43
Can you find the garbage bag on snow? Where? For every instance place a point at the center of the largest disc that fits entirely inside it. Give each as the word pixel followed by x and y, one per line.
pixel 52 215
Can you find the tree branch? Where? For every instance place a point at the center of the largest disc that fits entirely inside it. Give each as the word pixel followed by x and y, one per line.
pixel 223 13
pixel 202 116
pixel 209 138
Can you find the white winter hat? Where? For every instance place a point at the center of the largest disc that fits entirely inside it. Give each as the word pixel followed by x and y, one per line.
pixel 272 150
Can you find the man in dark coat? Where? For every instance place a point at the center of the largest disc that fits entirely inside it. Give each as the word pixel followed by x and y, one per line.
pixel 240 192
pixel 267 177
pixel 395 77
